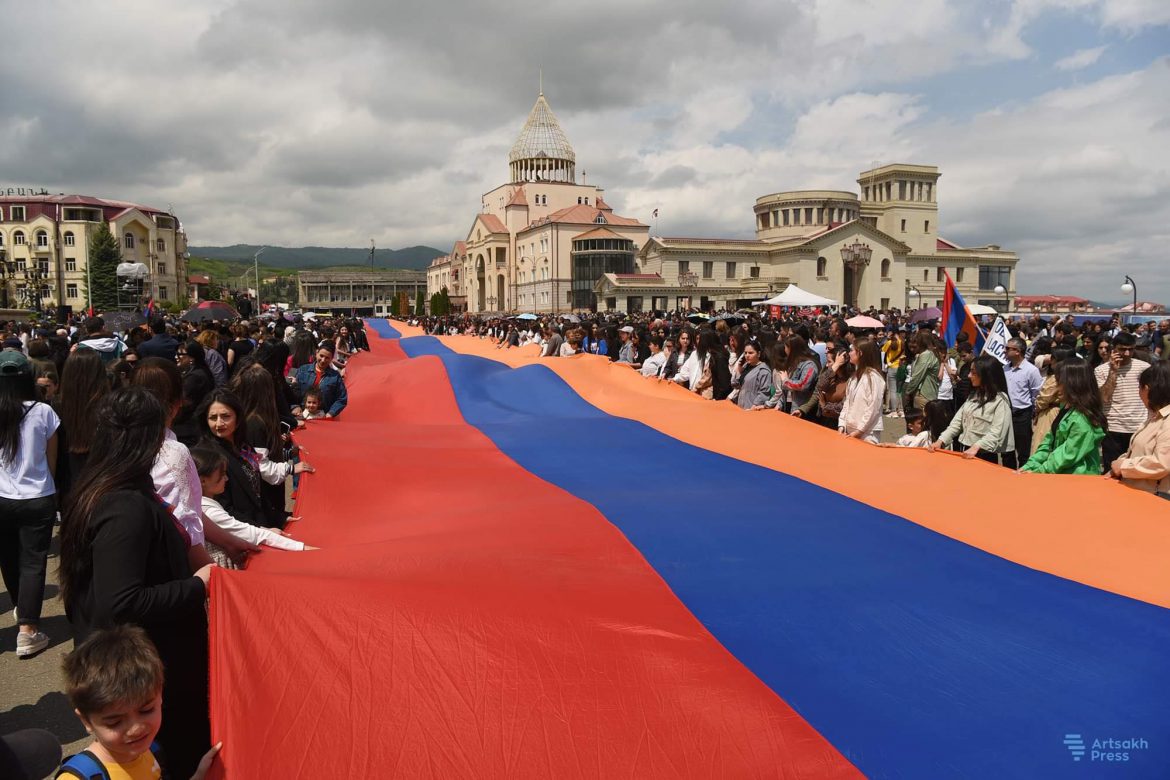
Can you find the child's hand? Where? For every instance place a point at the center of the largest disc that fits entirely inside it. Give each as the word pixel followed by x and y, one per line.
pixel 206 762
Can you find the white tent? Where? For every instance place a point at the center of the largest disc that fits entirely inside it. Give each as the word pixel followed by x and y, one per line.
pixel 794 296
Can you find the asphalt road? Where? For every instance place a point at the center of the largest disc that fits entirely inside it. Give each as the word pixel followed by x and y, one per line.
pixel 30 688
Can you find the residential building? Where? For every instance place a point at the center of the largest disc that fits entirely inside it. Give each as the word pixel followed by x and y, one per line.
pixel 49 236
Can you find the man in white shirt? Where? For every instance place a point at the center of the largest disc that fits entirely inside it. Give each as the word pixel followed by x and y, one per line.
pixel 1024 383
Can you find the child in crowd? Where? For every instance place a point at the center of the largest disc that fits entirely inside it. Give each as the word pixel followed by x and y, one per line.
pixel 211 464
pixel 114 680
pixel 312 404
pixel 917 434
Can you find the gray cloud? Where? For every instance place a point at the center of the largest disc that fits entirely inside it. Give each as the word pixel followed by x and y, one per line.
pixel 299 122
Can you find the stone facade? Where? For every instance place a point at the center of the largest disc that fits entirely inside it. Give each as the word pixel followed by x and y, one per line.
pixel 799 240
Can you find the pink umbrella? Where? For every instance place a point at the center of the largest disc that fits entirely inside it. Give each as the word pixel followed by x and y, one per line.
pixel 863 322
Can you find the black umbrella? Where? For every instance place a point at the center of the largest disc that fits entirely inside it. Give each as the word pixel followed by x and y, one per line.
pixel 122 321
pixel 210 310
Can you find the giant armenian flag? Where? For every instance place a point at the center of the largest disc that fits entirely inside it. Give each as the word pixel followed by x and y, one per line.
pixel 559 569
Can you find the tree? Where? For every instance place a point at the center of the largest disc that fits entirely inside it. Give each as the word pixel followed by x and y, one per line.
pixel 102 277
pixel 394 306
pixel 419 304
pixel 444 301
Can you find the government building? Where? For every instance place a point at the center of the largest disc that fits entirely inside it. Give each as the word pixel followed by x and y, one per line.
pixel 543 243
pixel 879 249
pixel 44 247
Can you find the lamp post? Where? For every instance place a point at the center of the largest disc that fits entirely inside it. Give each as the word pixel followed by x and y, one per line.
pixel 1131 286
pixel 911 291
pixel 856 257
pixel 6 272
pixel 1007 303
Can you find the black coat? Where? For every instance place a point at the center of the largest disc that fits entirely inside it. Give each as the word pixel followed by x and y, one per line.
pixel 139 574
pixel 160 345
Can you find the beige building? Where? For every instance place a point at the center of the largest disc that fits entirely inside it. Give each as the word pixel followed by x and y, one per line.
pixel 359 293
pixel 879 249
pixel 44 246
pixel 542 241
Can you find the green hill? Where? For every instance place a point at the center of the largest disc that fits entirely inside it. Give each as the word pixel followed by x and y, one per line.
pixel 297 258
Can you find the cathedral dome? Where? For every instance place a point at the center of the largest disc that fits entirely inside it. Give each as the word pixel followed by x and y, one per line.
pixel 542 152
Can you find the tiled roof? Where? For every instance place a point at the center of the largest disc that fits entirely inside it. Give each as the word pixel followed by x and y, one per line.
pixel 79 200
pixel 601 204
pixel 942 243
pixel 518 198
pixel 599 232
pixel 584 215
pixel 1030 300
pixel 198 279
pixel 493 223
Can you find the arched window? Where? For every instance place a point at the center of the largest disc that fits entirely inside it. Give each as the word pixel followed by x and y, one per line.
pixel 18 238
pixel 822 266
pixel 886 268
pixel 69 240
pixel 1 239
pixel 160 245
pixel 128 241
pixel 42 238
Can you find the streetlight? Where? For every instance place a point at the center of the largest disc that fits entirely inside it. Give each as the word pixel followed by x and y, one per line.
pixel 1001 290
pixel 911 291
pixel 1131 286
pixel 856 257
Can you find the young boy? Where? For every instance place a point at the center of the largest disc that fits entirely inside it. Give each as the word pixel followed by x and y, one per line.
pixel 114 680
pixel 916 433
pixel 312 404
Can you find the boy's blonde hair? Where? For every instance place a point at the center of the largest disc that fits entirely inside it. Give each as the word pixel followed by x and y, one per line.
pixel 113 666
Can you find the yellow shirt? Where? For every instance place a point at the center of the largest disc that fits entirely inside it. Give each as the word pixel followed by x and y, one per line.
pixel 145 767
pixel 893 353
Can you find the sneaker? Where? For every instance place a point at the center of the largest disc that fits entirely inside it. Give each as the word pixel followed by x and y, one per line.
pixel 30 644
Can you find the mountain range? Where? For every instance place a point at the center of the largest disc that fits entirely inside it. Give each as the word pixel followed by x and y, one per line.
pixel 415 257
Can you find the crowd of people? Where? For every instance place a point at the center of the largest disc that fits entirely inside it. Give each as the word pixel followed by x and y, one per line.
pixel 164 451
pixel 1073 398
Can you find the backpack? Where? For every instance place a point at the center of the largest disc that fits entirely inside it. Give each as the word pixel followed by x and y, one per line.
pixel 86 765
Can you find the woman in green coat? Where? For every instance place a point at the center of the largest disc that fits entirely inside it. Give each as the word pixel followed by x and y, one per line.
pixel 1073 446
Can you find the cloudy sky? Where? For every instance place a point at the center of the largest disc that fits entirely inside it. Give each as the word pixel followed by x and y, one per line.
pixel 297 122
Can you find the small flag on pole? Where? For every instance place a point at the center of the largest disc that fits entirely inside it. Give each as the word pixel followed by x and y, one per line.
pixel 956 319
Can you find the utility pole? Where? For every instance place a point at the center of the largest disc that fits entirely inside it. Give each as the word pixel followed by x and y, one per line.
pixel 256 267
pixel 371 254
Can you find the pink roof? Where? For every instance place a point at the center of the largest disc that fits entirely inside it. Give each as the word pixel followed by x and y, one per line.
pixel 584 215
pixel 79 200
pixel 198 279
pixel 1029 300
pixel 601 204
pixel 518 198
pixel 600 232
pixel 942 243
pixel 492 223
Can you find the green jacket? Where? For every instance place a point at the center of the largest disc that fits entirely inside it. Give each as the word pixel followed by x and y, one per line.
pixel 1072 447
pixel 923 377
